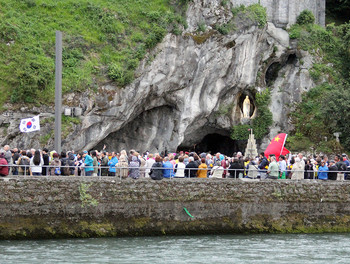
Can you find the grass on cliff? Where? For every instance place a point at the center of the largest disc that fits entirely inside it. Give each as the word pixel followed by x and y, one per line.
pixel 325 109
pixel 103 40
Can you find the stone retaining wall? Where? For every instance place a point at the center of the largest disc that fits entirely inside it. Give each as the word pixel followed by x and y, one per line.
pixel 90 207
pixel 285 12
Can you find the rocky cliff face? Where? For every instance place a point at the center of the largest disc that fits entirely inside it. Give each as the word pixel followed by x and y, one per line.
pixel 191 89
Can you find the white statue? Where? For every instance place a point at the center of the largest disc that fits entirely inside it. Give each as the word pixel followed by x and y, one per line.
pixel 246 107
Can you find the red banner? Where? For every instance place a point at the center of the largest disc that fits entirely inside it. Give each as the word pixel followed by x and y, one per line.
pixel 276 146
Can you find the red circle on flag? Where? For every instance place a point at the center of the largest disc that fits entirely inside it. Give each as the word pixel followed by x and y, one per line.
pixel 29 124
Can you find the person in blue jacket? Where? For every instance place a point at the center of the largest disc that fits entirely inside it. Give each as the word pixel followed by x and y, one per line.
pixel 112 163
pixel 88 163
pixel 168 168
pixel 323 171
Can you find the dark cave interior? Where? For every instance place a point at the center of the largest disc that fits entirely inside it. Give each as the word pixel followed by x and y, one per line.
pixel 214 143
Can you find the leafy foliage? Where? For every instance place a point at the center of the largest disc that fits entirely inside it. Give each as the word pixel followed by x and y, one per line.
pixel 255 12
pixel 324 109
pixel 103 40
pixel 306 17
pixel 338 11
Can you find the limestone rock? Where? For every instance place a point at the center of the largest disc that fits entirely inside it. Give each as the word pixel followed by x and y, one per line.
pixel 190 90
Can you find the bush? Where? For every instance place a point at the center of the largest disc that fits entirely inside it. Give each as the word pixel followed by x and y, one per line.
pixel 224 29
pixel 120 75
pixel 236 10
pixel 306 17
pixel 240 132
pixel 258 13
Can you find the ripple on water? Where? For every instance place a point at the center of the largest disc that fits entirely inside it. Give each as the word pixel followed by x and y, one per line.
pixel 318 248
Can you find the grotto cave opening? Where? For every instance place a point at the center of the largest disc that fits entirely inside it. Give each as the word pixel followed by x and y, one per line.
pixel 214 143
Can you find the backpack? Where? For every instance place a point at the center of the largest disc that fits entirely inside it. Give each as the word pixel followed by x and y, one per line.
pixel 57 171
pixel 24 164
pixel 65 167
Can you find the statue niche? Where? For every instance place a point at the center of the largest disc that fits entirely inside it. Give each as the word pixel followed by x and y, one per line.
pixel 246 109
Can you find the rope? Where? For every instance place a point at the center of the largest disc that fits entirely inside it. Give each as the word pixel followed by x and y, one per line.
pixel 188 212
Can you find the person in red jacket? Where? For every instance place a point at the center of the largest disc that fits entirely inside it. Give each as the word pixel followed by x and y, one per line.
pixel 4 170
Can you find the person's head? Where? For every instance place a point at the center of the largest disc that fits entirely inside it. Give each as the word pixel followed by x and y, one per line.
pixel 300 156
pixel 158 158
pixel 322 163
pixel 273 158
pixel 36 158
pixel 63 154
pixel 203 160
pixel 181 159
pixel 171 156
pixel 190 159
pixel 45 150
pixel 55 155
pixel 331 162
pixel 292 160
pixel 166 159
pixel 150 156
pixel 6 148
pixel 281 158
pixel 336 158
pixel 261 155
pixel 24 153
pixel 85 152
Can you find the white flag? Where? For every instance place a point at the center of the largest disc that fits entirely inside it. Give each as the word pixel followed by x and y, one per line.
pixel 30 124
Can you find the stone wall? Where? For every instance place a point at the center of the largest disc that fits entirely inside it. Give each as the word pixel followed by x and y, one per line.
pixel 284 12
pixel 59 207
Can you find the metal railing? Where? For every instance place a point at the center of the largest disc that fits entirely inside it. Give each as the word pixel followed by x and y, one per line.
pixel 123 172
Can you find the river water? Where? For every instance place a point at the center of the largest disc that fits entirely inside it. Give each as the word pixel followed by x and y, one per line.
pixel 310 248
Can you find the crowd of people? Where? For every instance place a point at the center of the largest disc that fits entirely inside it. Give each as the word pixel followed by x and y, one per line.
pixel 158 166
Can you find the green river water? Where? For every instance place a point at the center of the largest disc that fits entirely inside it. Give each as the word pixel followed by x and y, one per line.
pixel 264 248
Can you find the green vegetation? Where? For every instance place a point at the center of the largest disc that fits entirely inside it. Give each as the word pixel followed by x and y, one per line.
pixel 306 17
pixel 337 11
pixel 86 198
pixel 103 40
pixel 67 125
pixel 255 12
pixel 261 123
pixel 324 110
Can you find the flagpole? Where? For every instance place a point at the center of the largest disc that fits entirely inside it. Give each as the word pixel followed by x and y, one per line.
pixel 58 92
pixel 284 142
